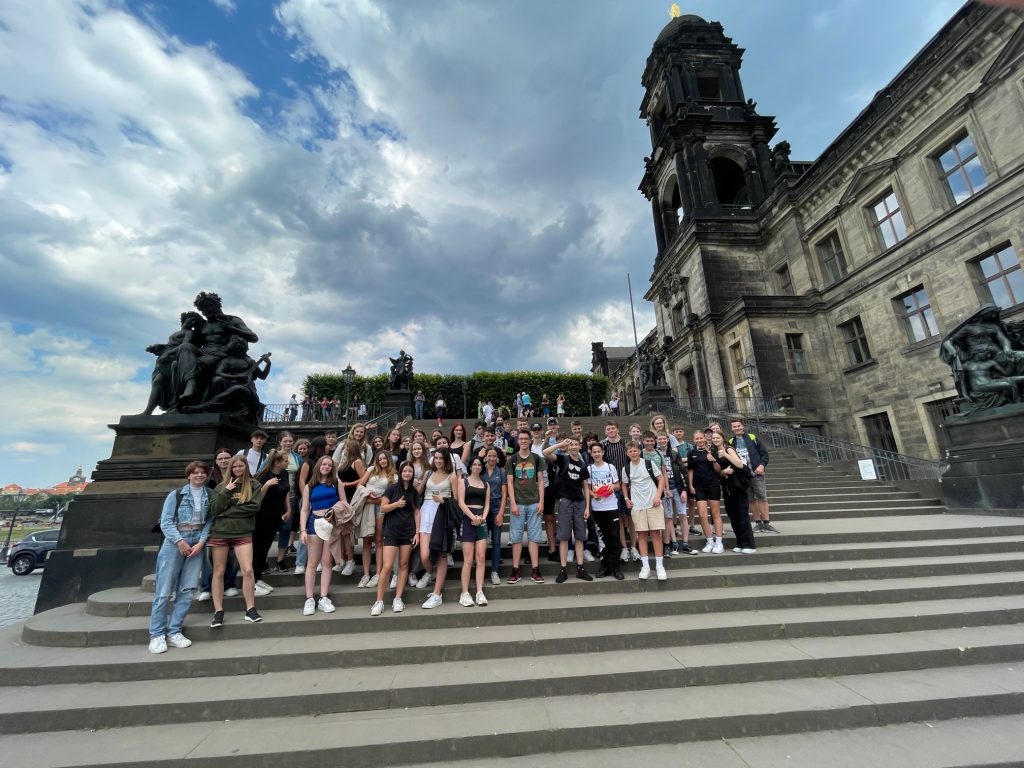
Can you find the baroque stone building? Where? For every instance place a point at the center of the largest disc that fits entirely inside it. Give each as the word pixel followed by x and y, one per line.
pixel 835 279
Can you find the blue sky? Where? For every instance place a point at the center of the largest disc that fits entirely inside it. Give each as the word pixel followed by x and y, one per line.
pixel 456 178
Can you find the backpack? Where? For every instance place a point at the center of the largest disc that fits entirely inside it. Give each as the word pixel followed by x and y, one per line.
pixel 650 471
pixel 178 496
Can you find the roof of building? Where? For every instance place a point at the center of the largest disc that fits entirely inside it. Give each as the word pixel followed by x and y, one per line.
pixel 681 21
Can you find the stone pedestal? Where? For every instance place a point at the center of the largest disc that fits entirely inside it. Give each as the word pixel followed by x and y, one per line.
pixel 985 460
pixel 398 398
pixel 654 397
pixel 106 539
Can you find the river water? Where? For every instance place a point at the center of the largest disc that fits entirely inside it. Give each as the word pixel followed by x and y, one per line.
pixel 17 595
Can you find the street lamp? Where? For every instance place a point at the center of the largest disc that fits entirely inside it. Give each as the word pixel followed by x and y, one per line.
pixel 348 376
pixel 590 396
pixel 749 370
pixel 465 390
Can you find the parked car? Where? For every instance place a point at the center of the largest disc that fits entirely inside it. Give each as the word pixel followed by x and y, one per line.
pixel 31 552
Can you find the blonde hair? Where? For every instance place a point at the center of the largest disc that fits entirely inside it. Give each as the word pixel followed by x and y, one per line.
pixel 244 494
pixel 390 473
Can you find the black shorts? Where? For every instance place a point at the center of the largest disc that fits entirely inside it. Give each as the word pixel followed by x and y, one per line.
pixel 708 492
pixel 394 541
pixel 550 503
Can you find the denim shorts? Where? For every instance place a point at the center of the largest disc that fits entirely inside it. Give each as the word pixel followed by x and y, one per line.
pixel 529 517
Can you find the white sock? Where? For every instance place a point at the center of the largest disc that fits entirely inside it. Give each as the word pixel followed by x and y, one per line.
pixel 645 562
pixel 659 562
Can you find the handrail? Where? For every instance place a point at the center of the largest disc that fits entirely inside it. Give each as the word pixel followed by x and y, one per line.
pixel 889 465
pixel 283 412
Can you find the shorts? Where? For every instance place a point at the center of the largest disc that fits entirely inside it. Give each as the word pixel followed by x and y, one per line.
pixel 570 520
pixel 528 518
pixel 651 519
pixel 673 504
pixel 708 493
pixel 550 503
pixel 236 541
pixel 397 541
pixel 309 522
pixel 427 513
pixel 471 533
pixel 757 490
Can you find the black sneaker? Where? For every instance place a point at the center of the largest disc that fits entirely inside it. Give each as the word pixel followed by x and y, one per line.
pixel 767 527
pixel 252 617
pixel 604 572
pixel 280 567
pixel 292 551
pixel 686 549
pixel 668 553
pixel 218 619
pixel 536 577
pixel 553 556
pixel 581 573
pixel 561 577
pixel 513 578
pixel 617 573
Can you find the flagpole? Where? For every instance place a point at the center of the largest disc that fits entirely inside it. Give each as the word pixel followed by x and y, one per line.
pixel 636 340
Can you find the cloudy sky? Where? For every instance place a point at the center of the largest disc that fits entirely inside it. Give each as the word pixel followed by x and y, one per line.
pixel 455 177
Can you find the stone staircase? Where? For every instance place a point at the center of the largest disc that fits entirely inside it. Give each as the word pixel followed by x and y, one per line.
pixel 874 629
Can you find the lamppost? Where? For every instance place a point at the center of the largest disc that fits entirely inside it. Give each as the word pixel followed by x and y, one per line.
pixel 590 396
pixel 349 377
pixel 749 370
pixel 465 390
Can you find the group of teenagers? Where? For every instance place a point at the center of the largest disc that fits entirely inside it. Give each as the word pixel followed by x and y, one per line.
pixel 404 503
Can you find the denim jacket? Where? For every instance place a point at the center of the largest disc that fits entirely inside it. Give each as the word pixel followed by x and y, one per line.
pixel 187 514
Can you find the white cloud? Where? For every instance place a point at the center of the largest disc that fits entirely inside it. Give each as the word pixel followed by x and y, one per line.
pixel 228 6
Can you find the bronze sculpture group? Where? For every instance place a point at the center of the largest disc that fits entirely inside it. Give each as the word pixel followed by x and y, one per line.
pixel 986 356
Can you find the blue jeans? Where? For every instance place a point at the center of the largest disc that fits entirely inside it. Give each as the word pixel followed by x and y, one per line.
pixel 529 517
pixel 419 411
pixel 175 574
pixel 301 553
pixel 495 536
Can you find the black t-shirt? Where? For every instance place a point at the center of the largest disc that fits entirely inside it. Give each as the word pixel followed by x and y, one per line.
pixel 274 502
pixel 703 470
pixel 400 523
pixel 571 476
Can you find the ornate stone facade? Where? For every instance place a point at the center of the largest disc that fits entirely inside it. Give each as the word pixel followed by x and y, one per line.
pixel 836 279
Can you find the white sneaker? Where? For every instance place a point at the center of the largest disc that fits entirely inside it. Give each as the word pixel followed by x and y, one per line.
pixel 645 571
pixel 319 567
pixel 635 553
pixel 425 581
pixel 432 601
pixel 748 551
pixel 338 567
pixel 570 557
pixel 231 592
pixel 412 580
pixel 261 590
pixel 451 561
pixel 204 596
pixel 466 600
pixel 624 557
pixel 662 575
pixel 262 583
pixel 708 546
pixel 309 608
pixel 495 578
pixel 481 599
pixel 394 581
pixel 158 644
pixel 397 605
pixel 587 557
pixel 349 569
pixel 737 550
pixel 719 548
pixel 325 605
pixel 178 640
pixel 299 570
pixel 363 581
pixel 372 583
pixel 377 609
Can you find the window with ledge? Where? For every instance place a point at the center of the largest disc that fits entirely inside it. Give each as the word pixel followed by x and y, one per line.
pixel 680 313
pixel 709 85
pixel 795 353
pixel 917 315
pixel 1002 277
pixel 961 169
pixel 784 281
pixel 736 357
pixel 831 258
pixel 889 225
pixel 855 341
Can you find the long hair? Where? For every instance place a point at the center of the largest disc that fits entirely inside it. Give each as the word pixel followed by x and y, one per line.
pixel 316 478
pixel 216 476
pixel 268 465
pixel 394 446
pixel 244 492
pixel 449 467
pixel 451 435
pixel 388 473
pixel 423 462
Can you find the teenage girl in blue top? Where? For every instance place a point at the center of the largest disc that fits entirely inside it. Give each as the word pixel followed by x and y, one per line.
pixel 321 493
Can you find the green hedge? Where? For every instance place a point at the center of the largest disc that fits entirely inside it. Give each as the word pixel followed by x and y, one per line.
pixel 499 388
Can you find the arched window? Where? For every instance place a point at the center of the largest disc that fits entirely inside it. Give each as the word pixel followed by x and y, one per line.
pixel 672 213
pixel 730 182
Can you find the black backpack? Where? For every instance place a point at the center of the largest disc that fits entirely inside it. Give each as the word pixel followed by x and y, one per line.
pixel 177 503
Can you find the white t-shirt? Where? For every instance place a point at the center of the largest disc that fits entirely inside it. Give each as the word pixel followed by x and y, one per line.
pixel 641 487
pixel 601 477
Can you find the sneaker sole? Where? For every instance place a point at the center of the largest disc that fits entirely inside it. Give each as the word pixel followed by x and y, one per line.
pixel 254 621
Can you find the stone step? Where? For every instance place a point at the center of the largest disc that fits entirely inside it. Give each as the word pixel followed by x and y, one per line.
pixel 129 601
pixel 849 510
pixel 406 683
pixel 28 665
pixel 71 626
pixel 559 724
pixel 973 742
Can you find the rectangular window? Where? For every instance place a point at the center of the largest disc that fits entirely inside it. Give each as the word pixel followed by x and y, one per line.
pixel 888 218
pixel 784 281
pixel 795 353
pixel 856 342
pixel 918 315
pixel 830 254
pixel 679 314
pixel 736 356
pixel 879 431
pixel 1002 277
pixel 709 84
pixel 961 169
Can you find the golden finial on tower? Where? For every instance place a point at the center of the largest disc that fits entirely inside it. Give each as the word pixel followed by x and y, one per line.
pixel 674 11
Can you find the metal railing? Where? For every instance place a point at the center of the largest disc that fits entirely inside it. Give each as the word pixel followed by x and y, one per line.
pixel 888 465
pixel 283 412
